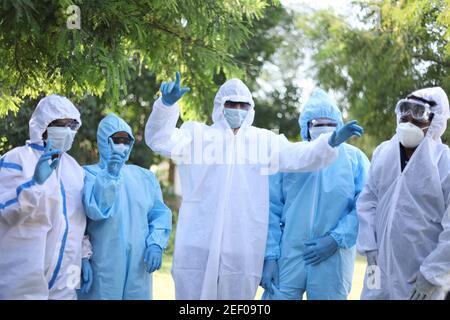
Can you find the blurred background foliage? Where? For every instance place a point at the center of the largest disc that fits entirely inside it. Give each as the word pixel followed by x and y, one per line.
pixel 399 47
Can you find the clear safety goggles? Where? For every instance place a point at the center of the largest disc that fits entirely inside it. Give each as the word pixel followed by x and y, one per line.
pixel 419 109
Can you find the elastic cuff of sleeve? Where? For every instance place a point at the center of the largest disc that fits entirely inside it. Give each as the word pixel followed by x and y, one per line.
pixel 433 279
pixel 337 237
pixel 326 137
pixel 151 240
pixel 162 106
pixel 271 258
pixel 166 103
pixel 154 244
pixel 365 249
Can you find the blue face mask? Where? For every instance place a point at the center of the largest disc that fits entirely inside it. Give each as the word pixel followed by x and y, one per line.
pixel 234 117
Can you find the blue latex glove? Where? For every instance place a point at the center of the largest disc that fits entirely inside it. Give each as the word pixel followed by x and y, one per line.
pixel 346 132
pixel 115 161
pixel 153 258
pixel 270 275
pixel 44 168
pixel 319 250
pixel 87 275
pixel 171 91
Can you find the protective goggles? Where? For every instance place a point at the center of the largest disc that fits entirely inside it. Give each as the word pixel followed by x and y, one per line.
pixel 418 108
pixel 119 140
pixel 322 122
pixel 70 123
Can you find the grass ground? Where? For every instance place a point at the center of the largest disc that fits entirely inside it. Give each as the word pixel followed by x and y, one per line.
pixel 163 287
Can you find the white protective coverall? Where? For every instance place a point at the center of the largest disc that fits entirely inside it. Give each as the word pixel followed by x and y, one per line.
pixel 41 226
pixel 223 220
pixel 405 215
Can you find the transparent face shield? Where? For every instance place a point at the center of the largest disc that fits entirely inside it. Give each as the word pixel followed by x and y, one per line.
pixel 319 126
pixel 322 122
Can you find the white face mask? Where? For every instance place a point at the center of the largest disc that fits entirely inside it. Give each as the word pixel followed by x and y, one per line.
pixel 315 132
pixel 61 137
pixel 409 135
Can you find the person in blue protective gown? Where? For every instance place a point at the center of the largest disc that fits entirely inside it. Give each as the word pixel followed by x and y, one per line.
pixel 313 223
pixel 128 223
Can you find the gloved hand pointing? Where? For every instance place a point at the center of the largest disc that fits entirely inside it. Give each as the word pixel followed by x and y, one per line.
pixel 319 250
pixel 270 275
pixel 343 134
pixel 153 258
pixel 171 91
pixel 44 168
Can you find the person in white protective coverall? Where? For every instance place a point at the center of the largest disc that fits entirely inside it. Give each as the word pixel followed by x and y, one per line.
pixel 223 219
pixel 42 220
pixel 403 211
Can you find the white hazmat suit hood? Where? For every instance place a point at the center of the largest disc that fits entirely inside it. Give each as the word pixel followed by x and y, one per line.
pixel 405 215
pixel 441 110
pixel 233 90
pixel 50 108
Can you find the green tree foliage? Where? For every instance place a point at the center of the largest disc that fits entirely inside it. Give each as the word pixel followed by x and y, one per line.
pixel 400 46
pixel 40 55
pixel 273 57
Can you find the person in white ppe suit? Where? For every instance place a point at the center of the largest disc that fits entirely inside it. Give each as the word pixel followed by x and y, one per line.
pixel 42 220
pixel 403 211
pixel 223 219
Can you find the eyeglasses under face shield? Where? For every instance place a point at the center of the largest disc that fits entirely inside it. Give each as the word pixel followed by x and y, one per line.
pixel 418 108
pixel 70 123
pixel 322 122
pixel 237 105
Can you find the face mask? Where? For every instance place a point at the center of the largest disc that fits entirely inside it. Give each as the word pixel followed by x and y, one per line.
pixel 315 132
pixel 234 117
pixel 61 137
pixel 120 148
pixel 409 135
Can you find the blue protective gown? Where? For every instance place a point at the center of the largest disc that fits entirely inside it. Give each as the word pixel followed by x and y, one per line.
pixel 306 206
pixel 125 215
